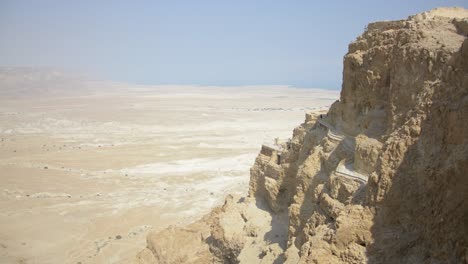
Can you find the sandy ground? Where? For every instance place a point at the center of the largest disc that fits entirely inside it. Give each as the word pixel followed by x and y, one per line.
pixel 84 178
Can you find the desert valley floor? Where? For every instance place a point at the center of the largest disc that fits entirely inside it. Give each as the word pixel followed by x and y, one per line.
pixel 85 178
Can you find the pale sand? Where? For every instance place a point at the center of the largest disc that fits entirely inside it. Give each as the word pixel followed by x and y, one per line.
pixel 121 164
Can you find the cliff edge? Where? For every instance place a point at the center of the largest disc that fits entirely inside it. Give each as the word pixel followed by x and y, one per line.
pixel 381 178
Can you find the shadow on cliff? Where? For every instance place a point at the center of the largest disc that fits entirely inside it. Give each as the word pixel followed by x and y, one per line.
pixel 423 216
pixel 278 233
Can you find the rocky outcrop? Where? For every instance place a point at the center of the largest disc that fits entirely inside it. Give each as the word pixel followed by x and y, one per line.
pixel 381 178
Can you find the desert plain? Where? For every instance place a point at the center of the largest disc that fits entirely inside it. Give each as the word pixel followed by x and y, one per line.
pixel 85 176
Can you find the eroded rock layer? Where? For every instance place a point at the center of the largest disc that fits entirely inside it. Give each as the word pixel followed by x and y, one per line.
pixel 381 178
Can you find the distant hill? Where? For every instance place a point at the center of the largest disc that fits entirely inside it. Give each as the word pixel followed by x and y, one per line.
pixel 20 82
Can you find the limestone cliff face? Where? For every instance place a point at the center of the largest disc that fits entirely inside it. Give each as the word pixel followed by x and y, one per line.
pixel 381 178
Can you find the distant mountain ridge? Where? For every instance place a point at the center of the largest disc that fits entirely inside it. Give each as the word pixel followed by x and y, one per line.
pixel 23 82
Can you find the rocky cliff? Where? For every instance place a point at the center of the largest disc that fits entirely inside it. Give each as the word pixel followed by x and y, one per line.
pixel 381 178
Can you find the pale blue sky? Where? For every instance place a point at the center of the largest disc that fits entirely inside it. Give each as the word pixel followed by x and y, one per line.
pixel 298 43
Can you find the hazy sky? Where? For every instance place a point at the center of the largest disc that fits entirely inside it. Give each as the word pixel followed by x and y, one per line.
pixel 299 43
